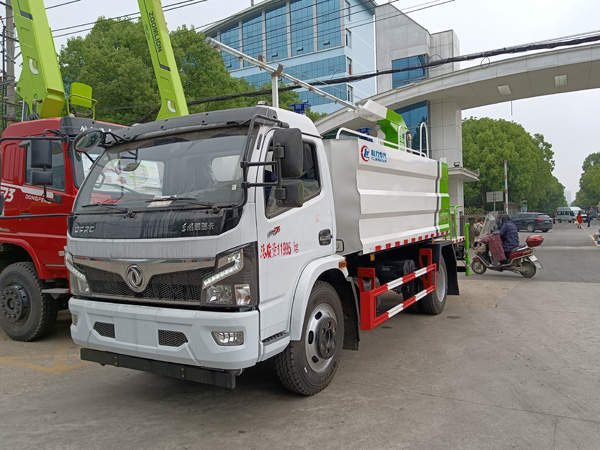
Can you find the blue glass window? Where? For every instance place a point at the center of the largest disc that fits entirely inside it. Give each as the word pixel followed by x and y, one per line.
pixel 301 19
pixel 252 38
pixel 231 38
pixel 414 115
pixel 318 69
pixel 338 90
pixel 276 27
pixel 408 76
pixel 329 32
pixel 258 80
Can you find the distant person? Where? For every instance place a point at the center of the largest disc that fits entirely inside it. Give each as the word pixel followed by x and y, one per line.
pixel 477 229
pixel 509 234
pixel 579 220
pixel 589 218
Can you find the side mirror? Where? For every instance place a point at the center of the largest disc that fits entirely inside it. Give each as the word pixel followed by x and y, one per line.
pixel 41 154
pixel 288 150
pixel 40 178
pixel 88 140
pixel 291 194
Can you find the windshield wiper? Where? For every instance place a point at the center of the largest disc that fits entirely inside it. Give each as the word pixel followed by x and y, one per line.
pixel 190 200
pixel 107 205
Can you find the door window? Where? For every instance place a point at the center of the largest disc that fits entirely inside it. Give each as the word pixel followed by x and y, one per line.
pixel 58 167
pixel 309 178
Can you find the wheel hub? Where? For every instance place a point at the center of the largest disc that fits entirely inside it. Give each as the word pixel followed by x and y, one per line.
pixel 14 303
pixel 326 337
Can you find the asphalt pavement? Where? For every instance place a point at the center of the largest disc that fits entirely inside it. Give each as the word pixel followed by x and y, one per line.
pixel 511 363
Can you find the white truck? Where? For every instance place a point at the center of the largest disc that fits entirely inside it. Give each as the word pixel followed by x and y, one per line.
pixel 199 246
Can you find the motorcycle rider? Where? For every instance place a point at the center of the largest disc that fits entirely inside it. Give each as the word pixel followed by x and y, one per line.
pixel 509 235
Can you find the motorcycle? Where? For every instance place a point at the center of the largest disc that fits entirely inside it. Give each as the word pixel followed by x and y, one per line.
pixel 489 248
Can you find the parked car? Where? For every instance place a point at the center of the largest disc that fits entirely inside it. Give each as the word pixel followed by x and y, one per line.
pixel 532 221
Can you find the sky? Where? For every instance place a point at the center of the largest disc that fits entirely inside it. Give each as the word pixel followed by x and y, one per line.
pixel 569 122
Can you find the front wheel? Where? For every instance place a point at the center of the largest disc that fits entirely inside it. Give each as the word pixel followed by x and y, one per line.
pixel 528 269
pixel 530 228
pixel 307 366
pixel 25 313
pixel 434 303
pixel 478 267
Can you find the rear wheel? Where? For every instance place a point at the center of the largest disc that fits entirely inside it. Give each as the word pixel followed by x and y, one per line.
pixel 530 228
pixel 528 269
pixel 25 313
pixel 434 303
pixel 307 366
pixel 478 267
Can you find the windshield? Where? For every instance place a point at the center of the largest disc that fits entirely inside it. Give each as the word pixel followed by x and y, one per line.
pixel 489 225
pixel 82 163
pixel 199 169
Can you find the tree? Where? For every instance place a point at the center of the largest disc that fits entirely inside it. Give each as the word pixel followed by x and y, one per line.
pixel 589 183
pixel 114 59
pixel 487 143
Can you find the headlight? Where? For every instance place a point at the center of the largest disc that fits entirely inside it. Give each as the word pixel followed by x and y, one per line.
pixel 233 281
pixel 77 279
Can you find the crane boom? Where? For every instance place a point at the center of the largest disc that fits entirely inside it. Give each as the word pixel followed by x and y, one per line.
pixel 40 83
pixel 173 103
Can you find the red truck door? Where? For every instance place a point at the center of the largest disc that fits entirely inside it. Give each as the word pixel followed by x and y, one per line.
pixel 37 224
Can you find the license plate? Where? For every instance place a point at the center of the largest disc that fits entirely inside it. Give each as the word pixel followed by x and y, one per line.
pixel 535 261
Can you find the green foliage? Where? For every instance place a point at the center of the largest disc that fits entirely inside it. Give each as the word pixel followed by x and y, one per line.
pixel 114 59
pixel 474 211
pixel 487 143
pixel 314 116
pixel 589 183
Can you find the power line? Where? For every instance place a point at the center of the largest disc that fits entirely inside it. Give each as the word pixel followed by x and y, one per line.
pixel 419 7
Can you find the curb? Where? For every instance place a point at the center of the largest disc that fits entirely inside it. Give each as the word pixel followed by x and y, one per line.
pixel 593 240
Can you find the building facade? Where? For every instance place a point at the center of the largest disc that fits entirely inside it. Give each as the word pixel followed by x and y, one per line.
pixel 313 39
pixel 328 39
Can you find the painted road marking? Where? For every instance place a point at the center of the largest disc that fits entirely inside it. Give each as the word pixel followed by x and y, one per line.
pixel 55 363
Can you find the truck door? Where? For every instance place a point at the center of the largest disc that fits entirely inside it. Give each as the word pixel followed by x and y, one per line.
pixel 290 238
pixel 42 223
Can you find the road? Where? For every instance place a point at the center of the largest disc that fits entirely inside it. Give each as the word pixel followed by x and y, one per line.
pixel 511 363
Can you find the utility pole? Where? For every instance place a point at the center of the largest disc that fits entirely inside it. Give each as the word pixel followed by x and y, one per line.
pixel 9 76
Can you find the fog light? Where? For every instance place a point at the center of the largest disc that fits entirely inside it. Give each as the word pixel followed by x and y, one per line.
pixel 242 294
pixel 228 338
pixel 74 319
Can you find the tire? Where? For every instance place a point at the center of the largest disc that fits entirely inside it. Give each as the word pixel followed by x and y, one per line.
pixel 307 366
pixel 434 303
pixel 530 228
pixel 478 267
pixel 544 231
pixel 528 269
pixel 25 313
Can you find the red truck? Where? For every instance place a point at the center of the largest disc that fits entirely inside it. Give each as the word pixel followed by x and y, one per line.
pixel 40 177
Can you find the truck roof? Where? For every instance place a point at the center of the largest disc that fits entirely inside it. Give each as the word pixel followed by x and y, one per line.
pixel 223 117
pixel 68 125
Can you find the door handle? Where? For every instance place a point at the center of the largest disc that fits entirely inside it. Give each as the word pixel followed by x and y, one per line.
pixel 325 237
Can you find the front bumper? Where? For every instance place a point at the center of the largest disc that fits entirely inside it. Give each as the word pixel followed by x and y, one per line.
pixel 166 334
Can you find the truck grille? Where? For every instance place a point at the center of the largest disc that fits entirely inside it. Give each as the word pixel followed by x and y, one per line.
pixel 177 286
pixel 105 329
pixel 171 338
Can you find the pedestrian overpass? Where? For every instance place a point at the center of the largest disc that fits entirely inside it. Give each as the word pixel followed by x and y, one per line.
pixel 533 75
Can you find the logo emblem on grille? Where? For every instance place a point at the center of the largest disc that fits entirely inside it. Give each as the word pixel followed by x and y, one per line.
pixel 135 278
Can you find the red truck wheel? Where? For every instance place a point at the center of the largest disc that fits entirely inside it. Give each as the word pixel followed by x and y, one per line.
pixel 25 313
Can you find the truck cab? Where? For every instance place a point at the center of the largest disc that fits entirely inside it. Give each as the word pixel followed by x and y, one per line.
pixel 202 245
pixel 33 223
